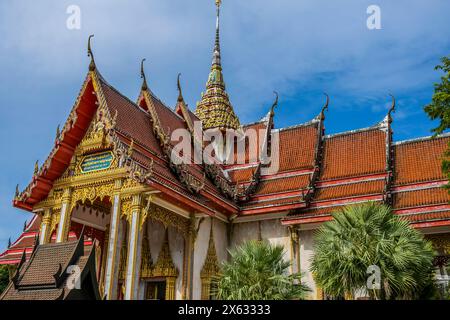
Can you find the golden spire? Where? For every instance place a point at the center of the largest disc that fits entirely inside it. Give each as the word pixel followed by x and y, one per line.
pixel 214 108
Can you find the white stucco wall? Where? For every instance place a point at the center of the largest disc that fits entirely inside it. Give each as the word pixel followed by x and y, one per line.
pixel 221 240
pixel 200 250
pixel 271 230
pixel 306 243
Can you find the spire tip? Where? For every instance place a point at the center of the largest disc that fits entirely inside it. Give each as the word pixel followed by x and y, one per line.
pixel 90 54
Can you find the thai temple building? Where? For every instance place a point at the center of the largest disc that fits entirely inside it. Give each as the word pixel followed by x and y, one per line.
pixel 113 205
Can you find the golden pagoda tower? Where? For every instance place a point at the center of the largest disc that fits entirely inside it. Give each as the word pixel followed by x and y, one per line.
pixel 214 108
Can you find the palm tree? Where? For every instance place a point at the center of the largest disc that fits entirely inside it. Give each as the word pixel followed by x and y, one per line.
pixel 366 235
pixel 257 271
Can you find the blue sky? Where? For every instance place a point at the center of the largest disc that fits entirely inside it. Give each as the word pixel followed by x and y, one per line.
pixel 299 48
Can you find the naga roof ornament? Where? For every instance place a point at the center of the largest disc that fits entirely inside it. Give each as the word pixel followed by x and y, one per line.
pixel 214 108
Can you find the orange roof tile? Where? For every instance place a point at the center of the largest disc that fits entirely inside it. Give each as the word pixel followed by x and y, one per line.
pixel 350 190
pixel 354 154
pixel 241 175
pixel 297 147
pixel 420 217
pixel 417 198
pixel 419 161
pixel 295 183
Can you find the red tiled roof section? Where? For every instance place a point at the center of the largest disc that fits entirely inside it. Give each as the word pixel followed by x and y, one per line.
pixel 410 199
pixel 419 161
pixel 131 120
pixel 271 203
pixel 315 212
pixel 354 154
pixel 350 190
pixel 254 132
pixel 429 216
pixel 169 119
pixel 295 183
pixel 297 148
pixel 241 175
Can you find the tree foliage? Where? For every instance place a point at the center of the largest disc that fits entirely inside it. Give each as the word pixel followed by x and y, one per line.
pixel 371 235
pixel 439 108
pixel 258 271
pixel 4 277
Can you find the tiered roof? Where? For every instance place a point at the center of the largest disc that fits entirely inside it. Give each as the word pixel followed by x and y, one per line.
pixel 44 276
pixel 314 175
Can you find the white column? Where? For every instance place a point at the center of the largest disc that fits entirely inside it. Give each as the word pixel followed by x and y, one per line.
pixel 113 256
pixel 134 250
pixel 45 226
pixel 64 220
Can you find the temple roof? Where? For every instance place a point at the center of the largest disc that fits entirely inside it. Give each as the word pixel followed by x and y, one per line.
pixel 44 276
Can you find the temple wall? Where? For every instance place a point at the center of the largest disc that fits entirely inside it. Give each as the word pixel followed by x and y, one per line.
pixel 306 243
pixel 220 240
pixel 271 230
pixel 156 233
pixel 176 243
pixel 200 250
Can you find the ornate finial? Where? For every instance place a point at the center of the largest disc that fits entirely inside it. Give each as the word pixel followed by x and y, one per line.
pixel 9 242
pixel 24 225
pixel 16 194
pixel 144 83
pixel 392 108
pixel 180 94
pixel 58 132
pixel 36 167
pixel 275 103
pixel 325 107
pixel 130 149
pixel 114 120
pixel 216 54
pixel 90 54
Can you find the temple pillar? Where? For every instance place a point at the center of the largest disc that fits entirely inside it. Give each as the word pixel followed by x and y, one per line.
pixel 64 220
pixel 295 249
pixel 44 233
pixel 189 258
pixel 113 245
pixel 134 249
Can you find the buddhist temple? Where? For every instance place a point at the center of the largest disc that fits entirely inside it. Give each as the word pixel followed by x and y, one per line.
pixel 113 200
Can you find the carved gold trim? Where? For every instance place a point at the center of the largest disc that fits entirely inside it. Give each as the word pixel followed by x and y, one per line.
pixel 210 268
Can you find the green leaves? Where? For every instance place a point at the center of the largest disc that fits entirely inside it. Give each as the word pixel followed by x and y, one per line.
pixel 258 271
pixel 439 108
pixel 370 234
pixel 4 277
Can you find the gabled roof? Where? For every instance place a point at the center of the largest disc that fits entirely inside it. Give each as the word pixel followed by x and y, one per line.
pixel 419 160
pixel 45 275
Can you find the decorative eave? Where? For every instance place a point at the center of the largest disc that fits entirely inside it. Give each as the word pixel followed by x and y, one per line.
pixel 267 145
pixel 182 109
pixel 318 153
pixel 389 155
